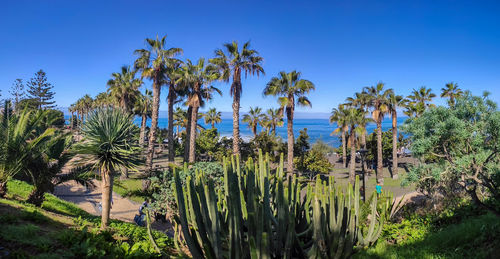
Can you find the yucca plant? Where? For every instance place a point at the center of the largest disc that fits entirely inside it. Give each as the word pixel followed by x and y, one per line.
pixel 262 214
pixel 108 145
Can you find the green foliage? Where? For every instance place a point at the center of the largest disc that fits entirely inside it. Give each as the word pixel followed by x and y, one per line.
pixel 301 145
pixel 475 237
pixel 461 147
pixel 313 162
pixel 321 147
pixel 267 144
pixel 40 91
pixel 164 189
pixel 263 214
pixel 108 141
pixel 207 142
pixel 41 234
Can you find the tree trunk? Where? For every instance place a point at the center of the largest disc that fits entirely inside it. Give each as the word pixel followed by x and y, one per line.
pixel 289 114
pixel 143 129
pixel 36 197
pixel 394 145
pixel 188 134
pixel 380 168
pixel 154 125
pixel 124 174
pixel 192 135
pixel 344 150
pixel 236 124
pixel 352 163
pixel 107 191
pixel 363 144
pixel 171 100
pixel 3 189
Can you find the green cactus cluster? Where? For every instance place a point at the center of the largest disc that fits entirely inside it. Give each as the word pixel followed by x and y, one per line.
pixel 264 213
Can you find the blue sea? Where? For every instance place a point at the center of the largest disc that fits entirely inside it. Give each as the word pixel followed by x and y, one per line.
pixel 316 128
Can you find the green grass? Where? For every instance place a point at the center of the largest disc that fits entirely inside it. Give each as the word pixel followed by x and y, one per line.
pixel 130 188
pixel 475 237
pixel 61 229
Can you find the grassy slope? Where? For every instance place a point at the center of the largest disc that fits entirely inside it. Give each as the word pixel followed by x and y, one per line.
pixel 475 237
pixel 61 229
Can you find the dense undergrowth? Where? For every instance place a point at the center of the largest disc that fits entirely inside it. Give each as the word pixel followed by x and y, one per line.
pixel 465 231
pixel 60 229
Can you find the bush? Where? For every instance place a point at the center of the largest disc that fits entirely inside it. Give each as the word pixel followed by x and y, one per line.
pixel 163 184
pixel 313 162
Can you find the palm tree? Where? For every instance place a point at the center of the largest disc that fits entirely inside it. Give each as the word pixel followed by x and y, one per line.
pixel 108 146
pixel 292 90
pixel 103 100
pixel 339 116
pixel 394 101
pixel 212 117
pixel 195 78
pixel 174 73
pixel 253 118
pixel 153 62
pixel 353 117
pixel 124 88
pixel 451 91
pixel 143 108
pixel 419 100
pixel 360 100
pixel 275 118
pixel 232 62
pixel 18 138
pixel 379 103
pixel 180 119
pixel 44 166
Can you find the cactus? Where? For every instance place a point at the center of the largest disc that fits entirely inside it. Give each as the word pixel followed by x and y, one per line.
pixel 262 214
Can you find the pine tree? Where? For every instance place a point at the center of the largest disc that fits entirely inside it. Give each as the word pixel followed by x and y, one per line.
pixel 17 91
pixel 41 91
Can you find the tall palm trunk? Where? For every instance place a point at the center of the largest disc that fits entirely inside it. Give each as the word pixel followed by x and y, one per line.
pixel 107 191
pixel 254 131
pixel 289 115
pixel 192 135
pixel 394 145
pixel 188 134
pixel 363 145
pixel 380 174
pixel 143 129
pixel 236 110
pixel 152 134
pixel 152 131
pixel 213 125
pixel 171 100
pixel 236 124
pixel 352 163
pixel 344 150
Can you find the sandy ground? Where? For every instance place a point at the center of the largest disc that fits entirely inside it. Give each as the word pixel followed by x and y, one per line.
pixel 89 200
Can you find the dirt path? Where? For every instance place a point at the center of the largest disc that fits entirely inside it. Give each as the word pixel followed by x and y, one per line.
pixel 89 200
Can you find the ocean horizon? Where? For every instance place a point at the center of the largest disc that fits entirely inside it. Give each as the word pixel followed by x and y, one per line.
pixel 316 128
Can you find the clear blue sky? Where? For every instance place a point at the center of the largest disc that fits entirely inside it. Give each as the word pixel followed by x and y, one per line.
pixel 341 45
